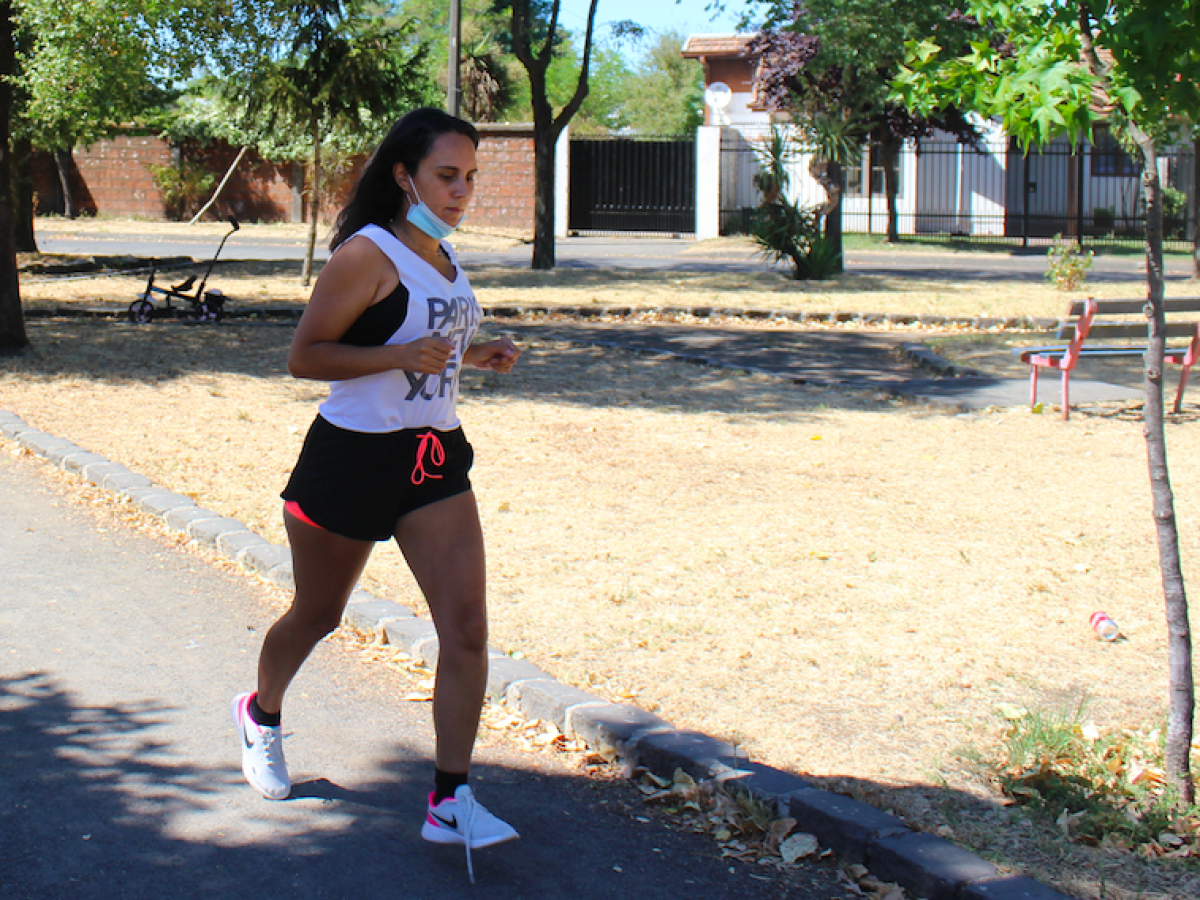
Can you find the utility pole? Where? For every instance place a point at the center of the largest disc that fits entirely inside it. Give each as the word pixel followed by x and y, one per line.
pixel 453 86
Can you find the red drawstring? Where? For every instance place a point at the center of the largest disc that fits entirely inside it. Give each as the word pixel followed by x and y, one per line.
pixel 437 455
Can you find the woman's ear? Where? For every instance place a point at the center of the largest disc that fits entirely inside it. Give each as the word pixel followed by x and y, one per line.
pixel 400 173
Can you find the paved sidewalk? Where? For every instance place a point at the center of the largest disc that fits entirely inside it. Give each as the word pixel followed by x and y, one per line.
pixel 634 253
pixel 119 773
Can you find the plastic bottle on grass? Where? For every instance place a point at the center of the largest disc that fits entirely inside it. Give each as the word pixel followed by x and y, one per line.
pixel 1106 629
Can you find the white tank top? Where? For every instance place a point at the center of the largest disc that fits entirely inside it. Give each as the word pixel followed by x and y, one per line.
pixel 423 304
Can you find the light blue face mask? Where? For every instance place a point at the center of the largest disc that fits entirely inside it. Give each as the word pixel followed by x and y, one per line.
pixel 422 217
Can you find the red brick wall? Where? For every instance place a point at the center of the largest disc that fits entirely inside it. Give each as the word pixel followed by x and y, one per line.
pixel 112 178
pixel 504 191
pixel 258 191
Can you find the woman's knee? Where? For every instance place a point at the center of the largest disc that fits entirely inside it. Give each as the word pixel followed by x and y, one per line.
pixel 314 624
pixel 465 635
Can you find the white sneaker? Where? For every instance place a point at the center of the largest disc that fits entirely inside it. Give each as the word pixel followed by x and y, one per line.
pixel 462 819
pixel 262 752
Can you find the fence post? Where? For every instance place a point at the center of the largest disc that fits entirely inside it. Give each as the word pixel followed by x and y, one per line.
pixel 1025 202
pixel 708 182
pixel 1194 192
pixel 562 183
pixel 1079 196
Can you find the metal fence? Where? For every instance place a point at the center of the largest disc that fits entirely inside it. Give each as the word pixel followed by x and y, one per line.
pixel 1090 193
pixel 633 184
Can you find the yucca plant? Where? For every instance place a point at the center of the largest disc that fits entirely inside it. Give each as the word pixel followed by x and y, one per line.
pixel 783 229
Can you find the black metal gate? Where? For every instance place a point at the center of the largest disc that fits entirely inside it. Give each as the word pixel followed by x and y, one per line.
pixel 642 184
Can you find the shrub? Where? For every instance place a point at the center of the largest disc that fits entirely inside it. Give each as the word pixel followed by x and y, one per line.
pixel 183 186
pixel 785 231
pixel 1068 264
pixel 1100 789
pixel 1174 212
pixel 782 229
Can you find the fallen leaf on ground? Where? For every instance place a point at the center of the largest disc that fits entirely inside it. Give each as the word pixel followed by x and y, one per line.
pixel 797 847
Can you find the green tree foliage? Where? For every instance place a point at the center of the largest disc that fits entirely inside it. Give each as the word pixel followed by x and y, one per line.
pixel 830 64
pixel 608 98
pixel 490 74
pixel 87 66
pixel 668 89
pixel 335 66
pixel 83 68
pixel 1052 67
pixel 12 322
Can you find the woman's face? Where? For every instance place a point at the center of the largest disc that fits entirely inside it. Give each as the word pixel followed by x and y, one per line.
pixel 445 178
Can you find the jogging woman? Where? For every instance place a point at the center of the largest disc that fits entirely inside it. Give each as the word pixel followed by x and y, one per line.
pixel 390 325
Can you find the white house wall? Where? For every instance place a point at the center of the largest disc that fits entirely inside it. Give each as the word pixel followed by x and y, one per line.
pixel 961 190
pixel 741 164
pixel 943 188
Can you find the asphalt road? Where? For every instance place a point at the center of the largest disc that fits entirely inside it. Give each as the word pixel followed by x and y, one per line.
pixel 119 773
pixel 649 253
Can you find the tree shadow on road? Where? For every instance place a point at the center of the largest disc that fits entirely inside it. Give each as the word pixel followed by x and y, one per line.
pixel 94 803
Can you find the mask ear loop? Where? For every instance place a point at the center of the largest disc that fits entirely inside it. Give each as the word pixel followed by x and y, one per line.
pixel 413 186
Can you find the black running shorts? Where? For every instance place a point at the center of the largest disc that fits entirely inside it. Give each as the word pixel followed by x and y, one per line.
pixel 359 484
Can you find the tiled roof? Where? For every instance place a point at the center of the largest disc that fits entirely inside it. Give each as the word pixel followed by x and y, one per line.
pixel 734 45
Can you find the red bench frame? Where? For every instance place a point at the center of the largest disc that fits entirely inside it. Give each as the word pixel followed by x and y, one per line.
pixel 1064 359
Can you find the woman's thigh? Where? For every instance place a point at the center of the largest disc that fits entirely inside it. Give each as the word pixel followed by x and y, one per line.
pixel 326 566
pixel 443 544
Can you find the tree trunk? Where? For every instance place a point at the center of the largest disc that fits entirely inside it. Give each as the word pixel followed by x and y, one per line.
pixel 63 163
pixel 1194 207
pixel 314 204
pixel 1179 641
pixel 12 321
pixel 1181 692
pixel 833 217
pixel 890 153
pixel 23 212
pixel 543 203
pixel 547 127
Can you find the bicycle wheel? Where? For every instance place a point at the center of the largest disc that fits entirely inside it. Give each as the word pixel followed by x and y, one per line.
pixel 141 311
pixel 213 307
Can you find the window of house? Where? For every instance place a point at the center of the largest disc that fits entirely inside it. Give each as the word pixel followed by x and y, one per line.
pixel 1108 159
pixel 869 171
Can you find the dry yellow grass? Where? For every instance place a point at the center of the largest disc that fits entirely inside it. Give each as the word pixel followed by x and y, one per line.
pixel 843 585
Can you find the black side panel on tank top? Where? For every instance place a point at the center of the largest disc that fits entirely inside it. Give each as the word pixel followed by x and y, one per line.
pixel 379 321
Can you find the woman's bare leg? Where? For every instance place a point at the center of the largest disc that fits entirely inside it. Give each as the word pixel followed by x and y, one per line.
pixel 443 543
pixel 326 568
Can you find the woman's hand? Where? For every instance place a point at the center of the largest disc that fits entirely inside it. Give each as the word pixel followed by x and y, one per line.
pixel 428 355
pixel 499 355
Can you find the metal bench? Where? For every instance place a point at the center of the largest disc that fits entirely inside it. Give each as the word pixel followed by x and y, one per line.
pixel 1083 334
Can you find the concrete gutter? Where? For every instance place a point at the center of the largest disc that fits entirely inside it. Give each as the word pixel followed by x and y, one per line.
pixel 926 865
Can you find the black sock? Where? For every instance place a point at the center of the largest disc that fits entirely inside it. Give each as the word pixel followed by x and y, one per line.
pixel 446 783
pixel 260 717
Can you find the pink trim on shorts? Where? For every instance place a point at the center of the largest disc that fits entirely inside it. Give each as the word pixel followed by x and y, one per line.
pixel 294 508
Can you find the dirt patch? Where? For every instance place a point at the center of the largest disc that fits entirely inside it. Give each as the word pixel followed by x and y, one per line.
pixel 842 585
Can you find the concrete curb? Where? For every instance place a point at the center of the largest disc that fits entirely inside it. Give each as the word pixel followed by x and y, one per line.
pixel 929 866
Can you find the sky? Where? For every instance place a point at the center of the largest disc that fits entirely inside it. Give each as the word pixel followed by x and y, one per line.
pixel 687 16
